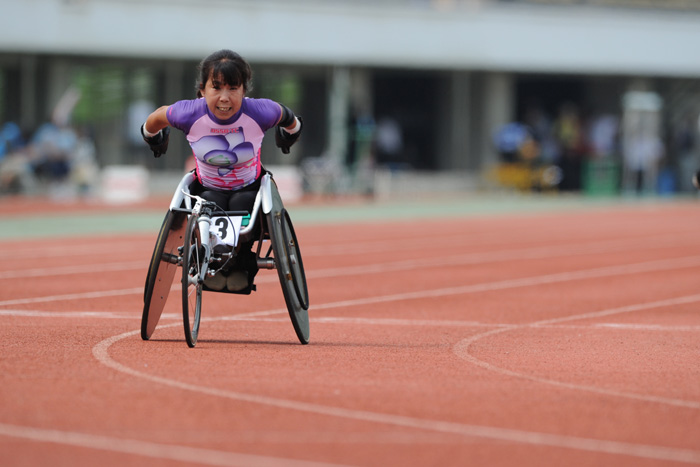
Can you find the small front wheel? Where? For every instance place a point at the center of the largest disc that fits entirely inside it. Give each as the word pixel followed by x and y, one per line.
pixel 194 262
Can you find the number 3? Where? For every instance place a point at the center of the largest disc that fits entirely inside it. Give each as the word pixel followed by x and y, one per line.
pixel 222 224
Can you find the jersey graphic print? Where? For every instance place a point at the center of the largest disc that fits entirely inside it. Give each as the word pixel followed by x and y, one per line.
pixel 224 151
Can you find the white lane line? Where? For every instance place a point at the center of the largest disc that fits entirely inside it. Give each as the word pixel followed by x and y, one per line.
pixel 634 268
pixel 72 296
pixel 473 324
pixel 66 270
pixel 40 251
pixel 190 455
pixel 449 260
pixel 83 314
pixel 623 326
pixel 385 321
pixel 68 314
pixel 652 241
pixel 128 315
pixel 595 273
pixel 648 327
pixel 462 349
pixel 101 353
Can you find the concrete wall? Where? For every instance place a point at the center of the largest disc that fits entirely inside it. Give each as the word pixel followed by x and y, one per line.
pixel 449 34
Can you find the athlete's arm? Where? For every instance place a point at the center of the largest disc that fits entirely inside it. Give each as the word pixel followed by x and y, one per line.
pixel 156 121
pixel 288 129
pixel 288 120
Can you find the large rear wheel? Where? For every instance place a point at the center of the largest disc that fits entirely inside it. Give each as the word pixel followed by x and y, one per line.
pixel 296 274
pixel 161 271
pixel 289 265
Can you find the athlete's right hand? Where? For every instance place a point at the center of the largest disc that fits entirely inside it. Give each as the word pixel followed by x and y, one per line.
pixel 159 142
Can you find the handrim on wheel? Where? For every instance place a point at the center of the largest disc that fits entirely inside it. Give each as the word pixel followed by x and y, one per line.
pixel 193 263
pixel 296 266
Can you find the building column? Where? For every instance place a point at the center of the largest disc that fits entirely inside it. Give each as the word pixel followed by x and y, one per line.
pixel 338 112
pixel 454 153
pixel 28 103
pixel 174 91
pixel 496 108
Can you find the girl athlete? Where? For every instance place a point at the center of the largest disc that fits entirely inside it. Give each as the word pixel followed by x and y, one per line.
pixel 225 130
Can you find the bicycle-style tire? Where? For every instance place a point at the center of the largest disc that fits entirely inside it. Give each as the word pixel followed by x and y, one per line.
pixel 161 271
pixel 193 261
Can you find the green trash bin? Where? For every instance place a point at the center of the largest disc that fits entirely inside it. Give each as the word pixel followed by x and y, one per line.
pixel 601 177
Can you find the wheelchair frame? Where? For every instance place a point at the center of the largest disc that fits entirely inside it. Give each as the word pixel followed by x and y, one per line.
pixel 178 237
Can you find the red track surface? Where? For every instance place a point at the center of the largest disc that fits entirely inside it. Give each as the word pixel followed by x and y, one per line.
pixel 540 339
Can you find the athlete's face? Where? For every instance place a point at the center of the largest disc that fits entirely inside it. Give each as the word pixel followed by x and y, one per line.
pixel 223 100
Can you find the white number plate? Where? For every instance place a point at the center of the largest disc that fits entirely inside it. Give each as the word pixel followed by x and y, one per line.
pixel 227 228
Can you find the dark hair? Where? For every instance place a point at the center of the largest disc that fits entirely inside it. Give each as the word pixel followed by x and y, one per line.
pixel 229 67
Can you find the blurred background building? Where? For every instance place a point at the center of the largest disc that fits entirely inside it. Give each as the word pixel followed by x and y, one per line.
pixel 577 95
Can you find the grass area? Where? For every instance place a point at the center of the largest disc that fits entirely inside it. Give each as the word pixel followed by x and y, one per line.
pixel 147 218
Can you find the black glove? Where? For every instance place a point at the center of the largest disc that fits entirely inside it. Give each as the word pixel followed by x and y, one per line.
pixel 159 142
pixel 696 180
pixel 284 140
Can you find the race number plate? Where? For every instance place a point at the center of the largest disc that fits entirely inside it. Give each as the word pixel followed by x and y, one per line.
pixel 227 228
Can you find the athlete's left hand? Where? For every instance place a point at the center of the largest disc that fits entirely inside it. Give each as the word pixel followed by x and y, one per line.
pixel 284 140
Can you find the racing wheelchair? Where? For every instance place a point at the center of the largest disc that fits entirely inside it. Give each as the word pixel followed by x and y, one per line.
pixel 186 242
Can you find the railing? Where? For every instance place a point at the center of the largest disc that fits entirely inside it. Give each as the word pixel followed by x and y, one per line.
pixel 443 5
pixel 693 5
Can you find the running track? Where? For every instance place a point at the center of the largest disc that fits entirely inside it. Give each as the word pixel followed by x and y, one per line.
pixel 524 338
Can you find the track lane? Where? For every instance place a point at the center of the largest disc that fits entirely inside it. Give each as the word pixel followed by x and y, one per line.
pixel 378 346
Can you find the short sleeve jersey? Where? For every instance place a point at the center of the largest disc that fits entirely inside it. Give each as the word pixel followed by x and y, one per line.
pixel 227 152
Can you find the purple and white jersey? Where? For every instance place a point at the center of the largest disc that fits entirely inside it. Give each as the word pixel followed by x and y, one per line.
pixel 227 152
